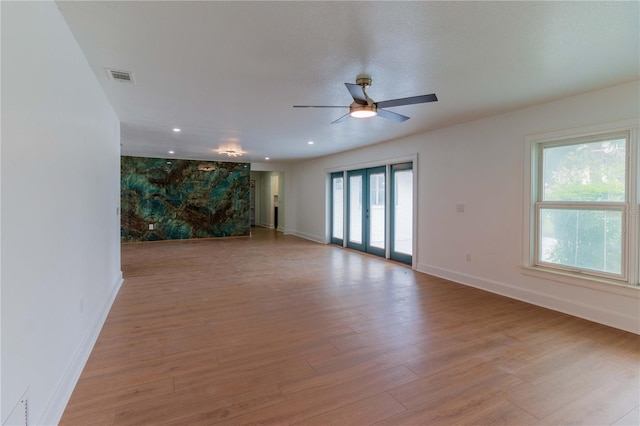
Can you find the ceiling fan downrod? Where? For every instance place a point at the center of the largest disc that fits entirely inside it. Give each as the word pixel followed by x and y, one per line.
pixel 365 82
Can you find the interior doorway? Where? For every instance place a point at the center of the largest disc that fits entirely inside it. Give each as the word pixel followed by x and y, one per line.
pixel 269 193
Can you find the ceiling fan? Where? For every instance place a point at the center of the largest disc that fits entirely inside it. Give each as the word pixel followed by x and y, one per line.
pixel 363 106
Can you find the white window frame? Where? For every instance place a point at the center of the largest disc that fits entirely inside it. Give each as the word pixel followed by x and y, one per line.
pixel 630 210
pixel 621 207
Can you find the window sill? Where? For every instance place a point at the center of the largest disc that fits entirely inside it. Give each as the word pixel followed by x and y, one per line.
pixel 594 283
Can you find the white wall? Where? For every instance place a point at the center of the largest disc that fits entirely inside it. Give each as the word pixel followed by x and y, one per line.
pixel 60 194
pixel 480 164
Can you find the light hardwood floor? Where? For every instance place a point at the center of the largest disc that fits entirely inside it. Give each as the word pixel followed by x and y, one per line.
pixel 273 329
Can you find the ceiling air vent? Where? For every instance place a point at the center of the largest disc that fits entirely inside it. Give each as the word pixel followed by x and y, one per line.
pixel 121 76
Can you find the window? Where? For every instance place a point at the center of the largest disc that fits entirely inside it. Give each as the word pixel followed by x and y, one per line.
pixel 583 206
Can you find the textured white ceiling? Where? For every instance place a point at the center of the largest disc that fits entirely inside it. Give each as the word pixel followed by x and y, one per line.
pixel 228 73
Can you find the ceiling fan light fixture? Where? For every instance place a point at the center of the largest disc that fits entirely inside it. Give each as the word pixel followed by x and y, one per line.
pixel 363 111
pixel 364 107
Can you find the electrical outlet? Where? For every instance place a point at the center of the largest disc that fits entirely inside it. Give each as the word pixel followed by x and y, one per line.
pixel 468 257
pixel 151 227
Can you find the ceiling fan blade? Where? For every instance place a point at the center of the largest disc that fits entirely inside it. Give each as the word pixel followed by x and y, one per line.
pixel 407 101
pixel 392 115
pixel 320 106
pixel 357 93
pixel 341 119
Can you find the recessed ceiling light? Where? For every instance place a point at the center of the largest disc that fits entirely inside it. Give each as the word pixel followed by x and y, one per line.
pixel 310 142
pixel 266 158
pixel 175 129
pixel 171 152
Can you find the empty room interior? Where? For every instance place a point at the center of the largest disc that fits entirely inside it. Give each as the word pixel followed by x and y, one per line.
pixel 315 213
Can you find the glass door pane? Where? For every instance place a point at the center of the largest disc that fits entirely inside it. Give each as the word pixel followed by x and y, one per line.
pixel 355 210
pixel 337 208
pixel 375 214
pixel 402 212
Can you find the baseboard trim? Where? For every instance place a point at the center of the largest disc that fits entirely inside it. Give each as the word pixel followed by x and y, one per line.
pixel 54 408
pixel 267 226
pixel 310 237
pixel 589 312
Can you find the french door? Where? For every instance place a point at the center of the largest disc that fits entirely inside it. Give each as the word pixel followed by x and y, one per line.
pixel 373 212
pixel 366 193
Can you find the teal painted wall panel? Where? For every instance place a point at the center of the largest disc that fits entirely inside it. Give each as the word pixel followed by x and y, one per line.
pixel 183 199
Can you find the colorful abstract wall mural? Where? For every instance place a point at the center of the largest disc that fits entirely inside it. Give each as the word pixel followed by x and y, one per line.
pixel 183 199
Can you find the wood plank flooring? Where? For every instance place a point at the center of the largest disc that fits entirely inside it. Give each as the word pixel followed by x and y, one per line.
pixel 273 329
